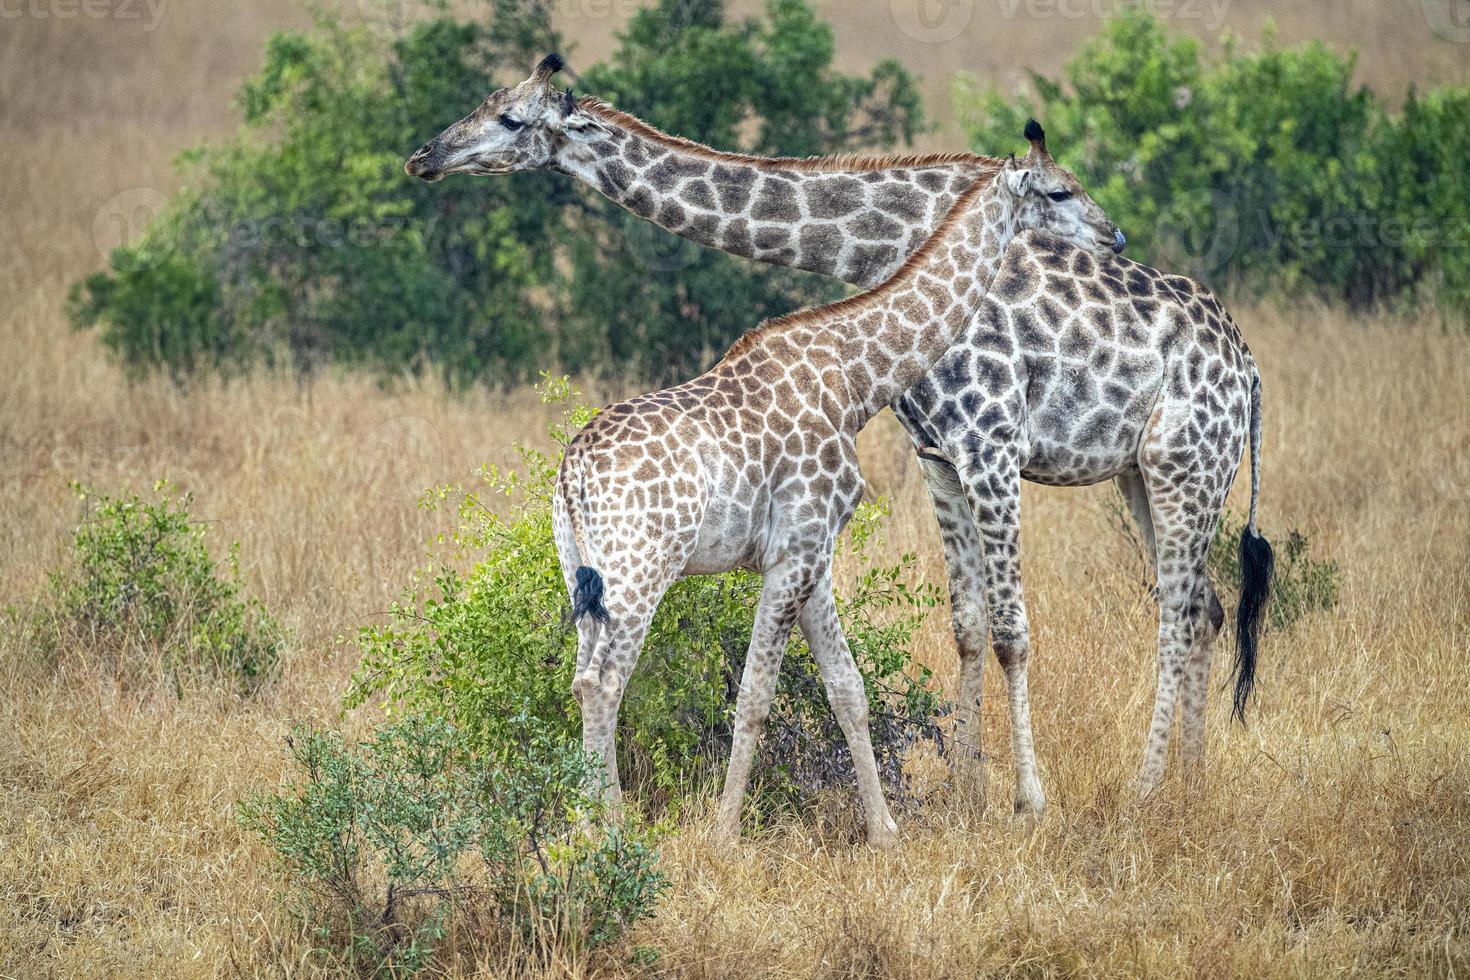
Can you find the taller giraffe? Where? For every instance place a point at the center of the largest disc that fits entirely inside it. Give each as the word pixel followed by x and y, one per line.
pixel 754 465
pixel 1055 376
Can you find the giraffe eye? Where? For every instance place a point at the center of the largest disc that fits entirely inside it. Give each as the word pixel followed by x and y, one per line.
pixel 510 122
pixel 1059 195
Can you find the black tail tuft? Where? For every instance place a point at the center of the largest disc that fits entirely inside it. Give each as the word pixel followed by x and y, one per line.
pixel 587 597
pixel 1256 565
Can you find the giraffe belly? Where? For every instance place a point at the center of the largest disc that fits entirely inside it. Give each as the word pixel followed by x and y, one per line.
pixel 1061 467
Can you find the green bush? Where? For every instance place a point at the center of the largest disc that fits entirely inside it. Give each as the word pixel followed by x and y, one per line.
pixel 140 593
pixel 1268 168
pixel 1301 584
pixel 302 241
pixel 390 844
pixel 476 647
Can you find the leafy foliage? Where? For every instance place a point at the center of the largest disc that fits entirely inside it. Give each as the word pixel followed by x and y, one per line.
pixel 1301 584
pixel 390 842
pixel 141 592
pixel 1267 167
pixel 302 242
pixel 477 647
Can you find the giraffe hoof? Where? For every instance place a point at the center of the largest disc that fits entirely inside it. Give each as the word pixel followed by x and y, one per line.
pixel 1026 808
pixel 883 836
pixel 726 833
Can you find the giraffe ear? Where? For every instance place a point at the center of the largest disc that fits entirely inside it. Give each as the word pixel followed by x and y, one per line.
pixel 1018 180
pixel 579 123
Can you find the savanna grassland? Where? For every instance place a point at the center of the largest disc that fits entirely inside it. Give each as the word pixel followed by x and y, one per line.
pixel 1333 835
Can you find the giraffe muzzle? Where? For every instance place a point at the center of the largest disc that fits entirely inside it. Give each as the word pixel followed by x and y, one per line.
pixel 426 163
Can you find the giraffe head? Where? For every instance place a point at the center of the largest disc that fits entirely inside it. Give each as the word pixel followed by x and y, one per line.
pixel 1046 196
pixel 514 129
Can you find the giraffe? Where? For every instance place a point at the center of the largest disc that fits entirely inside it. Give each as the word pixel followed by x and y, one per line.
pixel 1073 371
pixel 754 465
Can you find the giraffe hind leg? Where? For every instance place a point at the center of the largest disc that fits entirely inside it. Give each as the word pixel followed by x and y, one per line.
pixel 1208 616
pixel 630 586
pixel 1185 505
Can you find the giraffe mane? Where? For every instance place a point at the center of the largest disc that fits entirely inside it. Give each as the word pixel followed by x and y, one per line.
pixel 854 304
pixel 834 163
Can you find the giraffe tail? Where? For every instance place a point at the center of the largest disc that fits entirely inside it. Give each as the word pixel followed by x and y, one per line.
pixel 1257 563
pixel 587 596
pixel 587 581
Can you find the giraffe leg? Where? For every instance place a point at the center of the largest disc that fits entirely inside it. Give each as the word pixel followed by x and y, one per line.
pixel 849 700
pixel 783 593
pixel 963 562
pixel 994 492
pixel 608 652
pixel 1184 636
pixel 1208 616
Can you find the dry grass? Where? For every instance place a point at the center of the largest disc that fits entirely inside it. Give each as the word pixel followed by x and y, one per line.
pixel 1332 836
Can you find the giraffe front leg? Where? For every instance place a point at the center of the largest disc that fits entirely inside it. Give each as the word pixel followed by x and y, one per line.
pixel 849 700
pixel 963 563
pixel 993 489
pixel 782 596
pixel 964 567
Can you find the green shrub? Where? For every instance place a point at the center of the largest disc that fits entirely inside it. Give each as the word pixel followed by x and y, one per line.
pixel 476 646
pixel 1301 584
pixel 301 241
pixel 1269 168
pixel 140 593
pixel 389 844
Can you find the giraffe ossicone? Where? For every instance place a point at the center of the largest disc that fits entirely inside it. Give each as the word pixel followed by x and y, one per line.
pixel 1076 369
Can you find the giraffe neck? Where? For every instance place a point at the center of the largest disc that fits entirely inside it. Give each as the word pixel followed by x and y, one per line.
pixel 852 218
pixel 926 307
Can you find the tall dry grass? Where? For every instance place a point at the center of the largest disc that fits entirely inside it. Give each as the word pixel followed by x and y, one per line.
pixel 1331 837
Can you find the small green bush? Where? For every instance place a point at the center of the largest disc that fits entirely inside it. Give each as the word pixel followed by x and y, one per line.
pixel 1301 584
pixel 389 844
pixel 140 593
pixel 1266 168
pixel 476 646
